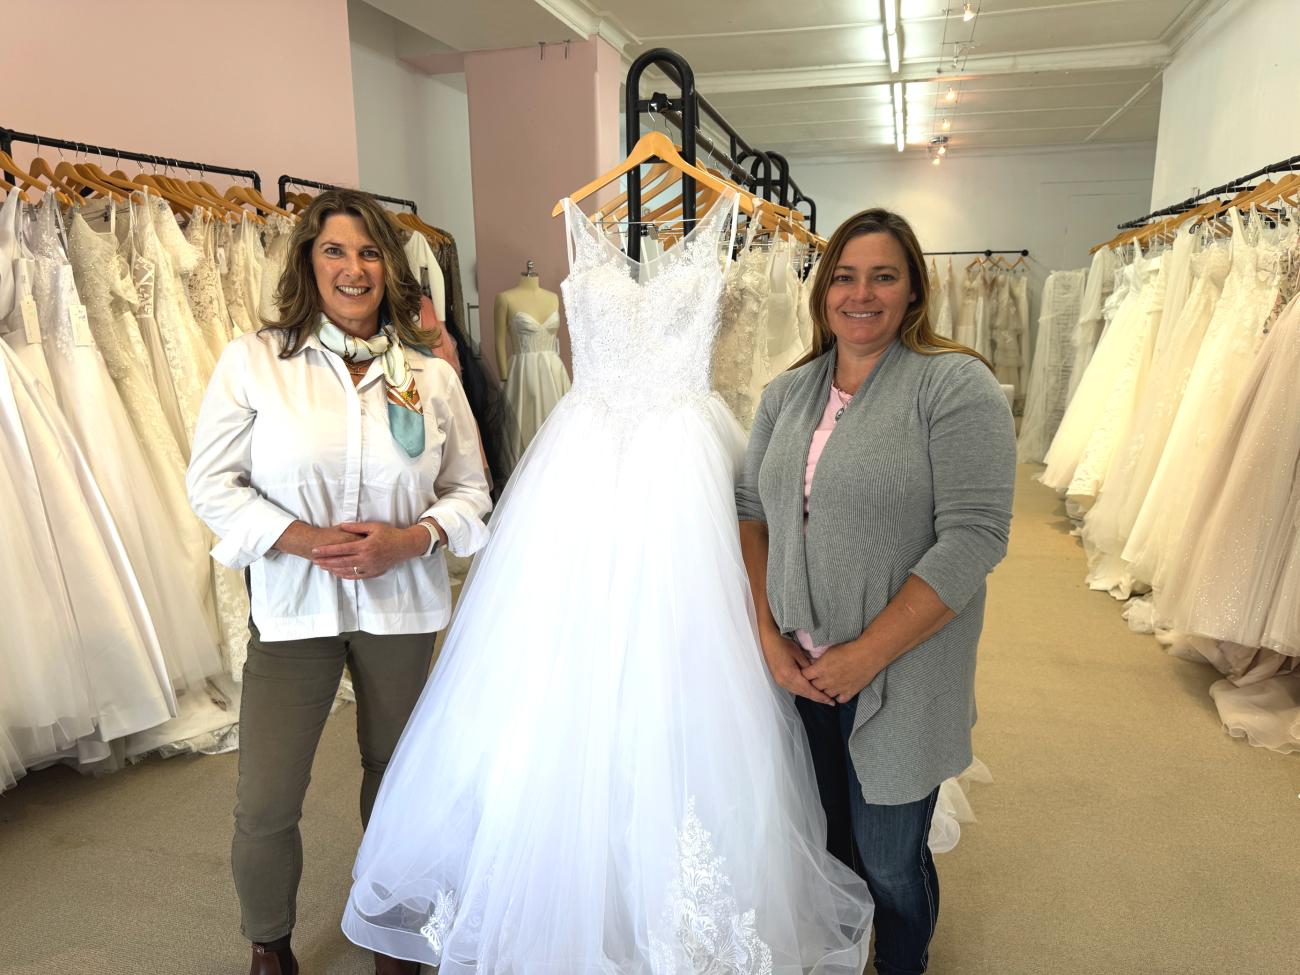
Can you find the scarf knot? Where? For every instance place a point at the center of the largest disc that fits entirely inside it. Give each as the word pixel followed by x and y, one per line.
pixel 405 413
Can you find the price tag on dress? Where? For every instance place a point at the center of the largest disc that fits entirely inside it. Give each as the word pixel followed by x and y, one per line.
pixel 80 324
pixel 31 323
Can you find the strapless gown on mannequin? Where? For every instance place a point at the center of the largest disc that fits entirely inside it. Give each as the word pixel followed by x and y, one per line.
pixel 536 379
pixel 601 777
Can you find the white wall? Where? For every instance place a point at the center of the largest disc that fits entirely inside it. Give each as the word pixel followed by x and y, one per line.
pixel 1230 102
pixel 1057 203
pixel 413 133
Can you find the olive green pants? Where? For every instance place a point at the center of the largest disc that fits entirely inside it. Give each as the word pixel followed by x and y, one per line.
pixel 289 687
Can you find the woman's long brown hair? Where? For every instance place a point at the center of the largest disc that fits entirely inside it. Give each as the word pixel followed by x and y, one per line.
pixel 297 298
pixel 917 331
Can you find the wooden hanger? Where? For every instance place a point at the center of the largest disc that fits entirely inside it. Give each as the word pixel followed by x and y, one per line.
pixel 78 174
pixel 251 197
pixel 24 180
pixel 650 146
pixel 41 168
pixel 182 203
pixel 612 207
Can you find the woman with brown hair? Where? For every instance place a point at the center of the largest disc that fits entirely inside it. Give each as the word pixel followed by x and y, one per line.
pixel 335 458
pixel 869 579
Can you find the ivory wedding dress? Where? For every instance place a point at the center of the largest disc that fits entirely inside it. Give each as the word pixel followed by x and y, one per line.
pixel 601 777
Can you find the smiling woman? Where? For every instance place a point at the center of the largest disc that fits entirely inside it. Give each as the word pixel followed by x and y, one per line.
pixel 334 457
pixel 872 575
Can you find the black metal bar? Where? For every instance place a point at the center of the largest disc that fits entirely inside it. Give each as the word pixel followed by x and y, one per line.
pixel 758 159
pixel 1023 252
pixel 673 64
pixel 812 210
pixel 8 137
pixel 1285 165
pixel 286 180
pixel 685 114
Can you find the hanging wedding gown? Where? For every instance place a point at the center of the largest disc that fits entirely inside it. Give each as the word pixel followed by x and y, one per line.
pixel 93 407
pixel 940 306
pixel 536 379
pixel 780 326
pixel 1109 523
pixel 1223 360
pixel 1049 377
pixel 1113 364
pixel 735 363
pixel 1100 285
pixel 1136 327
pixel 600 776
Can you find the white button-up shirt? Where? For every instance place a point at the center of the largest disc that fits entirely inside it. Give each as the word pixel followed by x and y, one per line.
pixel 280 440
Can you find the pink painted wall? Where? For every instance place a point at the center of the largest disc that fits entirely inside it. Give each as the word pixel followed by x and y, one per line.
pixel 539 128
pixel 187 80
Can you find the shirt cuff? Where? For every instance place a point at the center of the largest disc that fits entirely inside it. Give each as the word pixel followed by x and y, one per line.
pixel 257 530
pixel 466 533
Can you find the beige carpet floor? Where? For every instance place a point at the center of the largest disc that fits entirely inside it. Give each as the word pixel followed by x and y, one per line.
pixel 1125 832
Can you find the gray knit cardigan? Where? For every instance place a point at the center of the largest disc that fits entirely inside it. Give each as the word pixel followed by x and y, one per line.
pixel 917 479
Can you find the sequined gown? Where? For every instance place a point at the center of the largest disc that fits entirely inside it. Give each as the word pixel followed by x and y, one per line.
pixel 600 776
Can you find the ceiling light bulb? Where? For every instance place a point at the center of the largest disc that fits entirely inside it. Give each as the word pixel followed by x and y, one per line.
pixel 947 124
pixel 968 12
pixel 951 96
pixel 943 150
pixel 936 160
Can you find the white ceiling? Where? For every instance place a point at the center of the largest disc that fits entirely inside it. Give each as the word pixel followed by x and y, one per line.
pixel 812 77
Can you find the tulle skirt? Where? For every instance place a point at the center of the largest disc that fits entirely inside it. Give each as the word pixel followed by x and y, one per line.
pixel 600 776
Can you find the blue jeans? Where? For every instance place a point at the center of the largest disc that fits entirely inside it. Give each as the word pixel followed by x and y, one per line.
pixel 885 845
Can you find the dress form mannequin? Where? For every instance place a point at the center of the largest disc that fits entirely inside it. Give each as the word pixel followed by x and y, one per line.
pixel 534 375
pixel 529 297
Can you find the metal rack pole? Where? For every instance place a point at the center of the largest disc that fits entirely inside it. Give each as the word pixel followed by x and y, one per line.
pixel 286 180
pixel 9 136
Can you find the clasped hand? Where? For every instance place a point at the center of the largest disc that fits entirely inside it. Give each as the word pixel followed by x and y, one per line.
pixel 835 677
pixel 364 549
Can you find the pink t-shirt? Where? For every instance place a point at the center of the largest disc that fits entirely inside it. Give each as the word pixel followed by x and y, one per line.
pixel 834 404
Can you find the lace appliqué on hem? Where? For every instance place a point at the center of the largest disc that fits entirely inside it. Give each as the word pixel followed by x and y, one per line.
pixel 435 930
pixel 704 931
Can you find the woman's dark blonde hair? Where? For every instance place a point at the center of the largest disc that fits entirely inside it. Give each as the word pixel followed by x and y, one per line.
pixel 917 331
pixel 297 298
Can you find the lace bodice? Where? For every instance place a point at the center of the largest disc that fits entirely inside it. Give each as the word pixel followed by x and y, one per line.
pixel 645 340
pixel 530 335
pixel 737 352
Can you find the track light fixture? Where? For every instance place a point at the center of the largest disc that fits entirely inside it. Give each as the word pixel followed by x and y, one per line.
pixel 968 12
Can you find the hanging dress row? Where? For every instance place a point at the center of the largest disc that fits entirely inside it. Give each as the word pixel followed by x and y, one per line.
pixel 1178 453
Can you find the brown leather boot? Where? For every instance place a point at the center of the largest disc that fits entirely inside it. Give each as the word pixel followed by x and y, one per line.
pixel 273 962
pixel 387 965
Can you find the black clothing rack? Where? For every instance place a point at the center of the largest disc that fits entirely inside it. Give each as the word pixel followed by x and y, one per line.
pixel 1284 165
pixel 9 136
pixel 287 180
pixel 1023 252
pixel 684 112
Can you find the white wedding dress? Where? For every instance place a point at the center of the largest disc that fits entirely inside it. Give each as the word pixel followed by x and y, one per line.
pixel 601 777
pixel 536 379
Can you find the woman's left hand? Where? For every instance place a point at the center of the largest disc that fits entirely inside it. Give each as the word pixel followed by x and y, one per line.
pixel 379 548
pixel 843 670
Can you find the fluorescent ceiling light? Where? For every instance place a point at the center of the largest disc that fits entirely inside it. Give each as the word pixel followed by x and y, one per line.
pixel 891 16
pixel 891 45
pixel 900 133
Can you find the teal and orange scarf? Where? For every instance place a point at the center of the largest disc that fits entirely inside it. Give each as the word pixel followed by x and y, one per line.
pixel 405 414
